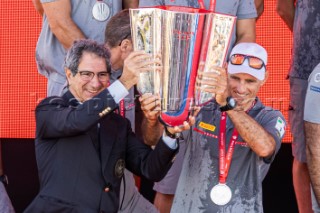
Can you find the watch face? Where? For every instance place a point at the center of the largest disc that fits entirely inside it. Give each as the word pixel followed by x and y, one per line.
pixel 232 102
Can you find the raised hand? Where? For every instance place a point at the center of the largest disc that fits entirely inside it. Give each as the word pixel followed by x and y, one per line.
pixel 215 82
pixel 151 107
pixel 186 124
pixel 136 62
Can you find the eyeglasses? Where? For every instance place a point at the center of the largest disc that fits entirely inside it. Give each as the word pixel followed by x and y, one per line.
pixel 88 75
pixel 124 38
pixel 254 62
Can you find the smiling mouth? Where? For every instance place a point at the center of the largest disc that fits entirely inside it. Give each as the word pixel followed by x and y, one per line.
pixel 92 92
pixel 240 95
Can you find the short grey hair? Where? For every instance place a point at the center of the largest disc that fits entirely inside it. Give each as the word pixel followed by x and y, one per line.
pixel 74 54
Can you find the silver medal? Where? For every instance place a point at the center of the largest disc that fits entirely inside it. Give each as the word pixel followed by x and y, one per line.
pixel 220 194
pixel 100 11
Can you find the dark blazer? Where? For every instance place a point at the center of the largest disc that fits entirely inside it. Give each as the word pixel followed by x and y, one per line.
pixel 76 173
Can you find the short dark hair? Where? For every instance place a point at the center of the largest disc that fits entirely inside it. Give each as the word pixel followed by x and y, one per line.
pixel 74 54
pixel 118 28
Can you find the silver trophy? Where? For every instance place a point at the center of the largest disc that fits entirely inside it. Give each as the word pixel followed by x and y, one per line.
pixel 145 34
pixel 177 33
pixel 215 43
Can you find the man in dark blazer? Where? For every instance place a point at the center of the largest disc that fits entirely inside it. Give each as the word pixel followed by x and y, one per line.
pixel 82 146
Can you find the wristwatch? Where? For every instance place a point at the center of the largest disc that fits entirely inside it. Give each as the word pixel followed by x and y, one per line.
pixel 231 104
pixel 170 135
pixel 4 180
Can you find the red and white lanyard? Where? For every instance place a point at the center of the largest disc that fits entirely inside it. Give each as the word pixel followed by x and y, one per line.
pixel 225 159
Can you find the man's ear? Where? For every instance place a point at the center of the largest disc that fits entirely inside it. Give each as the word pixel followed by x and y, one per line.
pixel 68 74
pixel 126 45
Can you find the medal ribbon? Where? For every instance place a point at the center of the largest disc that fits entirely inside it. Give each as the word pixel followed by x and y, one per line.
pixel 225 159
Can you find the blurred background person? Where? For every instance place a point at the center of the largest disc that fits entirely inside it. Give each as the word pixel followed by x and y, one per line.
pixel 312 133
pixel 302 18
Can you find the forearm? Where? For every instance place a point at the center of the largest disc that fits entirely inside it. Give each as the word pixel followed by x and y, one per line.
pixel 286 10
pixel 130 4
pixel 153 165
pixel 257 138
pixel 152 131
pixel 67 35
pixel 246 30
pixel 312 132
pixel 61 23
pixel 260 7
pixel 56 118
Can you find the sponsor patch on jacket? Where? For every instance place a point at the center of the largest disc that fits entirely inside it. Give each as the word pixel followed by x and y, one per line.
pixel 280 127
pixel 206 126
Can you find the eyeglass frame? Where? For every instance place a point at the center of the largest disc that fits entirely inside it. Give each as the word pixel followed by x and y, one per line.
pixel 248 58
pixel 93 74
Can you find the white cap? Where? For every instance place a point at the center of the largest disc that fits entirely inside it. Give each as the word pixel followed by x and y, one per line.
pixel 251 49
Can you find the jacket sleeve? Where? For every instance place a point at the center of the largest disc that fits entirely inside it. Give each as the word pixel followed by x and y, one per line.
pixel 55 117
pixel 143 161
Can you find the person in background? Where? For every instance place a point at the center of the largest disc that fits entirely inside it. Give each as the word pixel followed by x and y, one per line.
pixel 65 21
pixel 118 40
pixel 234 140
pixel 312 133
pixel 302 18
pixel 82 147
pixel 245 31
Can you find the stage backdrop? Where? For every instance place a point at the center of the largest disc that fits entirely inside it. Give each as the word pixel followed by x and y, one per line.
pixel 21 87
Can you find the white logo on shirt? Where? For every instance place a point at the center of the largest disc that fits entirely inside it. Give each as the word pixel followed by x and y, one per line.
pixel 280 126
pixel 317 77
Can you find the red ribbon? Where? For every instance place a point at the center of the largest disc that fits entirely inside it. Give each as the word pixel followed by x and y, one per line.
pixel 225 159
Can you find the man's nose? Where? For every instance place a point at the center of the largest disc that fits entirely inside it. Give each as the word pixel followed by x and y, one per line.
pixel 95 81
pixel 241 87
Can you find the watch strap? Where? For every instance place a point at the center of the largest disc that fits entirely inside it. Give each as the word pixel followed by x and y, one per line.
pixel 170 135
pixel 227 106
pixel 224 108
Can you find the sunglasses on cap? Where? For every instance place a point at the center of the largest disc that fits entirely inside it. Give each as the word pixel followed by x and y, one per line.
pixel 254 62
